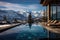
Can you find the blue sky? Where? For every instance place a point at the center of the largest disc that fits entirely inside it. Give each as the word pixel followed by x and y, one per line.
pixel 16 5
pixel 22 6
pixel 23 1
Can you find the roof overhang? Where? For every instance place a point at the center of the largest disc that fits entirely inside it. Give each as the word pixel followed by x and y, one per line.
pixel 46 2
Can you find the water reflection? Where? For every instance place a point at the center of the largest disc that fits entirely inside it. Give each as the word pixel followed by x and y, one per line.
pixel 36 33
pixel 30 26
pixel 30 20
pixel 23 32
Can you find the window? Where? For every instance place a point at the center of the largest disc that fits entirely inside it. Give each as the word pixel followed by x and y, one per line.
pixel 55 12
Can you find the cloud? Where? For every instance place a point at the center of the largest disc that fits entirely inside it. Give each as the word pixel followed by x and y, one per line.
pixel 17 7
pixel 22 8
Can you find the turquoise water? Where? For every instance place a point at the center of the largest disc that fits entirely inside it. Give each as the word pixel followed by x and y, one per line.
pixel 23 32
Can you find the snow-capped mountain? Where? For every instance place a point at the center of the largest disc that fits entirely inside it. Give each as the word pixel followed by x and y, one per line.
pixel 10 14
pixel 34 14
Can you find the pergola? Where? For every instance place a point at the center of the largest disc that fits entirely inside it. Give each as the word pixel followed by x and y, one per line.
pixel 49 7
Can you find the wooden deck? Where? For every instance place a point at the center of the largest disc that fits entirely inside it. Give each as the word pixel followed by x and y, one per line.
pixel 53 29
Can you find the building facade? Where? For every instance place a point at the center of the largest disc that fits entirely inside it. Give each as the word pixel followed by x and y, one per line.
pixel 52 9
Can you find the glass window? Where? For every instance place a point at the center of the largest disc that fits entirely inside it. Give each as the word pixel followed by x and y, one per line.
pixel 55 12
pixel 58 12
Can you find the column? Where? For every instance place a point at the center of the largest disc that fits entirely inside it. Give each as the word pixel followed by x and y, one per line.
pixel 49 11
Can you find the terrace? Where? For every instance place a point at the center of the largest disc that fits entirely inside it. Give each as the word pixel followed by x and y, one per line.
pixel 52 14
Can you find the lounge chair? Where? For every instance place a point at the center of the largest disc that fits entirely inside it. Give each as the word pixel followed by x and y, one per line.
pixel 55 23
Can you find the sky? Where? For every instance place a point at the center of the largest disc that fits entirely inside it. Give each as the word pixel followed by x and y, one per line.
pixel 22 6
pixel 16 5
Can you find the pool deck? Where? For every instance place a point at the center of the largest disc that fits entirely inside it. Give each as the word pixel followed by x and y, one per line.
pixel 51 28
pixel 7 26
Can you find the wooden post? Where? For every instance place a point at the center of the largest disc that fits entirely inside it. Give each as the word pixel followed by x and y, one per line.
pixel 49 11
pixel 46 13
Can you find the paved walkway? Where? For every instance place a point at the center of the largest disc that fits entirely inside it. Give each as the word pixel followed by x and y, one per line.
pixel 7 26
pixel 51 28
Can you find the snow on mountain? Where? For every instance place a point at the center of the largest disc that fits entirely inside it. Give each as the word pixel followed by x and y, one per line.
pixel 10 14
pixel 25 13
pixel 21 15
pixel 36 14
pixel 33 13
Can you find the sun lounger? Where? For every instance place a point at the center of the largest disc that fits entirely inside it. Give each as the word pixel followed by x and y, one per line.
pixel 54 23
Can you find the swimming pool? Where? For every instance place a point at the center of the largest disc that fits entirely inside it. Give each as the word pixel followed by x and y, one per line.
pixel 23 32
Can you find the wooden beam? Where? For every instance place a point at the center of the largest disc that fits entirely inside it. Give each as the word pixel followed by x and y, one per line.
pixel 45 3
pixel 41 1
pixel 49 11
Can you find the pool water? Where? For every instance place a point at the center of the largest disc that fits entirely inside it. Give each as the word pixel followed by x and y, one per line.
pixel 23 32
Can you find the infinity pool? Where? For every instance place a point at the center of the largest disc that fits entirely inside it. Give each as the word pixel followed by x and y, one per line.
pixel 23 32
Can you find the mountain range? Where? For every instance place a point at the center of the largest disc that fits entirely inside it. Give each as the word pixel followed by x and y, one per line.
pixel 10 15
